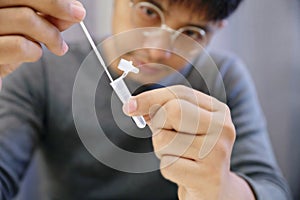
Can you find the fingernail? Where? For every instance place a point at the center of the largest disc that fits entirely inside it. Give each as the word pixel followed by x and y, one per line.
pixel 130 106
pixel 78 10
pixel 65 48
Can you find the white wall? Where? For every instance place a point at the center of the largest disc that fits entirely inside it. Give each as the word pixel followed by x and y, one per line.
pixel 266 34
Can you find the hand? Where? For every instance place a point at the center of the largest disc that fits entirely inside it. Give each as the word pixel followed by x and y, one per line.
pixel 25 24
pixel 193 136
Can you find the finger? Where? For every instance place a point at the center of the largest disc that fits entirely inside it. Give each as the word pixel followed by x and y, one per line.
pixel 187 119
pixel 68 10
pixel 192 135
pixel 182 116
pixel 181 171
pixel 183 145
pixel 61 25
pixel 142 103
pixel 24 50
pixel 7 69
pixel 27 22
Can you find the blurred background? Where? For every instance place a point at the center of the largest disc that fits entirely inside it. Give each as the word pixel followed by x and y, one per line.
pixel 266 35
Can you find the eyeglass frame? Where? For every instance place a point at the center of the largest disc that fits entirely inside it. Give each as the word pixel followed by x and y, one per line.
pixel 164 26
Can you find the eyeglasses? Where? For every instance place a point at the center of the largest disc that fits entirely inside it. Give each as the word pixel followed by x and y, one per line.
pixel 146 14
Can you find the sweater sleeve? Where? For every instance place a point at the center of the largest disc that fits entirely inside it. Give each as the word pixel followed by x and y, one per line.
pixel 252 156
pixel 21 119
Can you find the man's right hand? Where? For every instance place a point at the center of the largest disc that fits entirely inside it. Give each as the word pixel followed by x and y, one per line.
pixel 25 24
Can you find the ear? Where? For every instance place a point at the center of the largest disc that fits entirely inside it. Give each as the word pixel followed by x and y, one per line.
pixel 222 24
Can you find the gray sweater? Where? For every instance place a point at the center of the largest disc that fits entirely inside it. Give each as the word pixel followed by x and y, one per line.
pixel 56 107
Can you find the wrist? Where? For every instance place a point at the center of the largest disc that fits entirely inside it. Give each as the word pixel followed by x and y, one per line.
pixel 238 188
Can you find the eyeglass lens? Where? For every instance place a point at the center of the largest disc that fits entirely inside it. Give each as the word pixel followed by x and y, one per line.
pixel 146 14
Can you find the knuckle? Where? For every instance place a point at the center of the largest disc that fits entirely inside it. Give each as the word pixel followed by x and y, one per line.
pixel 215 104
pixel 226 124
pixel 157 140
pixel 24 51
pixel 53 40
pixel 225 143
pixel 26 16
pixel 19 44
pixel 158 154
pixel 227 109
pixel 230 132
pixel 55 35
pixel 173 108
pixel 164 173
pixel 174 113
pixel 179 88
pixel 162 141
pixel 223 108
pixel 35 57
pixel 222 149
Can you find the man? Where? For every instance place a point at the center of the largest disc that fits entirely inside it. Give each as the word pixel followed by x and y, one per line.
pixel 209 147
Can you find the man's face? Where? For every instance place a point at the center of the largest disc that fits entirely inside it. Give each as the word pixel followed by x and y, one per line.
pixel 163 62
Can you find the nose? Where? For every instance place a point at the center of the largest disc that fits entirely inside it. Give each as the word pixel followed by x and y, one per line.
pixel 159 44
pixel 159 54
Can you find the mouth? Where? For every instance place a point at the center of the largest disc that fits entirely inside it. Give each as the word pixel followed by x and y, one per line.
pixel 146 67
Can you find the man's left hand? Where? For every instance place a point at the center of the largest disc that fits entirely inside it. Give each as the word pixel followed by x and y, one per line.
pixel 193 135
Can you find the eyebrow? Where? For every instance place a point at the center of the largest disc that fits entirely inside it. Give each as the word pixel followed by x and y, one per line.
pixel 156 3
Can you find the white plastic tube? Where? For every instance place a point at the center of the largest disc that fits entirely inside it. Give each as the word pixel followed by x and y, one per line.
pixel 123 93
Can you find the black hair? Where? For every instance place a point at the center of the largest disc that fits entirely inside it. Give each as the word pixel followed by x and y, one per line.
pixel 211 9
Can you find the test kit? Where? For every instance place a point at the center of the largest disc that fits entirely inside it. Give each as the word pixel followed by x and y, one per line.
pixel 118 85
